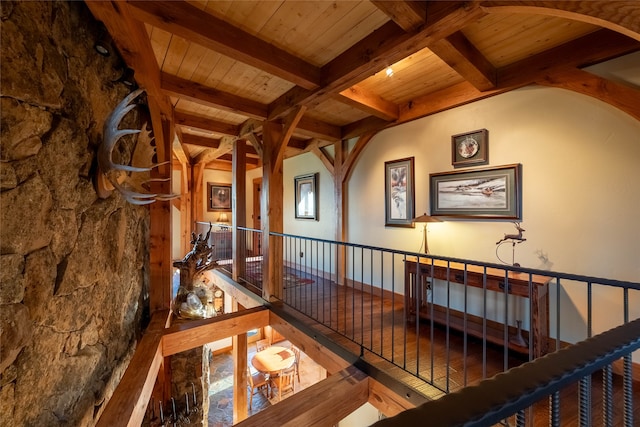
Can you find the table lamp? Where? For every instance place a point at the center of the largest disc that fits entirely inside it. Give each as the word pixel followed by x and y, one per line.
pixel 223 217
pixel 426 219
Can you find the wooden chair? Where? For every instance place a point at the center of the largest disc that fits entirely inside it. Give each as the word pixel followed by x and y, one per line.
pixel 255 382
pixel 262 344
pixel 296 364
pixel 284 382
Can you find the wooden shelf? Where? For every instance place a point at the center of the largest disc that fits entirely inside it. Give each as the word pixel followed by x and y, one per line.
pixel 494 330
pixel 534 288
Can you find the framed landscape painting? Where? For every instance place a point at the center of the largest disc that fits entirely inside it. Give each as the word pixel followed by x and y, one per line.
pixel 399 193
pixel 479 193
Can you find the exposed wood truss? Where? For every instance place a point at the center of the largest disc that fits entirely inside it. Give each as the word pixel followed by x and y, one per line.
pixel 218 69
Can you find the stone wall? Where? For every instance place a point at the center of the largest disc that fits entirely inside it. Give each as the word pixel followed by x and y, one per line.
pixel 73 267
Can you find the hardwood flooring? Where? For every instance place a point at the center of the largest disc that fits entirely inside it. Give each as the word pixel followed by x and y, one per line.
pixel 431 358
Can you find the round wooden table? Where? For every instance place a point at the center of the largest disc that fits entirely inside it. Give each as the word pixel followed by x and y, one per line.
pixel 273 359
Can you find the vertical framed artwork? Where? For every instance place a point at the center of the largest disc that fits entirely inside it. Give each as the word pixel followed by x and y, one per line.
pixel 471 148
pixel 219 196
pixel 399 192
pixel 494 192
pixel 306 196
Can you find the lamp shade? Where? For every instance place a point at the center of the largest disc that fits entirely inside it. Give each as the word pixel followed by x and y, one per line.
pixel 223 217
pixel 426 218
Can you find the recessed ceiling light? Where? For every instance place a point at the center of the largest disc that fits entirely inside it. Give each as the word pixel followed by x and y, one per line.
pixel 389 71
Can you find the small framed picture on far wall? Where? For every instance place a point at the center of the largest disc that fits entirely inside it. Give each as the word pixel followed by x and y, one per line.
pixel 219 197
pixel 470 148
pixel 306 196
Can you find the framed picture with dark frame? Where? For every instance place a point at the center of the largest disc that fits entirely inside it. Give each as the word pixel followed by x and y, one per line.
pixel 494 192
pixel 219 197
pixel 399 193
pixel 471 148
pixel 306 196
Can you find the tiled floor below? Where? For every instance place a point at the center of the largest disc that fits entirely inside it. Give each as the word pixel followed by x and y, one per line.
pixel 221 386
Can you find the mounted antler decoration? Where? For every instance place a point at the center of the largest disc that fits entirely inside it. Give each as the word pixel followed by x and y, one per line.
pixel 126 179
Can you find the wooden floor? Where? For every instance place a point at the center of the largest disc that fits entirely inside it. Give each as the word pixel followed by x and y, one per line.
pixel 425 356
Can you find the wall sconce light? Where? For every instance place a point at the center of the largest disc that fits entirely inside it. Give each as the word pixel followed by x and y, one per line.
pixel 424 218
pixel 223 217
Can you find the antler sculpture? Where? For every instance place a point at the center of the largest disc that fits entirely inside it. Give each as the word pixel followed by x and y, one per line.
pixel 113 172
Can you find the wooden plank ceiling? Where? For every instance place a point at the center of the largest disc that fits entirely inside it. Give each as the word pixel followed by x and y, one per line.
pixel 227 66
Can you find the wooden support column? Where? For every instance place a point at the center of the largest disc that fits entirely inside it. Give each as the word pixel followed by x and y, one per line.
pixel 240 373
pixel 239 204
pixel 185 208
pixel 197 199
pixel 271 209
pixel 340 192
pixel 343 166
pixel 160 261
pixel 275 139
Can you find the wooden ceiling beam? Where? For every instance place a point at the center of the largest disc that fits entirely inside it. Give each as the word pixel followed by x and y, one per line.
pixel 592 48
pixel 444 99
pixel 195 92
pixel 386 45
pixel 318 129
pixel 179 150
pixel 248 160
pixel 220 165
pixel 200 141
pixel 203 123
pixel 360 127
pixel 207 96
pixel 620 16
pixel 620 96
pixel 191 23
pixel 461 55
pixel 409 15
pixel 369 102
pixel 226 145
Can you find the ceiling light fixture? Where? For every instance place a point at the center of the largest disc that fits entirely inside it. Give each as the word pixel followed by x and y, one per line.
pixel 389 71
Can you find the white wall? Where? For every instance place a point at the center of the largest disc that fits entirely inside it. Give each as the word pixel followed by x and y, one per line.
pixel 325 226
pixel 581 198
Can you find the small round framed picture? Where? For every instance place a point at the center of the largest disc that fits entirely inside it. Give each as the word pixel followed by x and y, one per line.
pixel 470 148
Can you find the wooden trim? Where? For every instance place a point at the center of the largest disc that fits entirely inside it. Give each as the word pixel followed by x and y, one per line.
pixel 386 400
pixel 244 297
pixel 193 24
pixel 320 405
pixel 332 362
pixel 623 97
pixel 620 16
pixel 374 290
pixel 195 333
pixel 130 399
